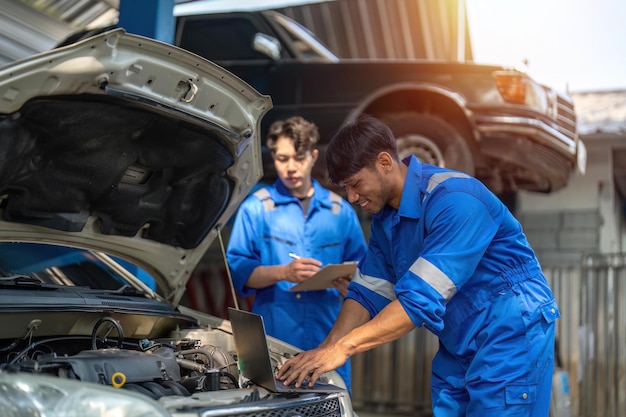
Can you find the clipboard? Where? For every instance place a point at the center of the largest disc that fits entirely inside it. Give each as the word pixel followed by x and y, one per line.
pixel 324 277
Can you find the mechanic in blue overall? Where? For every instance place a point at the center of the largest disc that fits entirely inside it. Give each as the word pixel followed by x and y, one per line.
pixel 445 254
pixel 284 233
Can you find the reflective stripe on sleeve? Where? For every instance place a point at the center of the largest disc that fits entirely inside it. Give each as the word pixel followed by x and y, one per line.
pixel 437 179
pixel 378 285
pixel 434 277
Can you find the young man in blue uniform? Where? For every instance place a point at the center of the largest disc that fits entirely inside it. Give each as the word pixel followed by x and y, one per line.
pixel 445 254
pixel 294 218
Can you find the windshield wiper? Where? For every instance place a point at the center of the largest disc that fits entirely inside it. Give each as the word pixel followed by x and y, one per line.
pixel 125 289
pixel 20 279
pixel 26 281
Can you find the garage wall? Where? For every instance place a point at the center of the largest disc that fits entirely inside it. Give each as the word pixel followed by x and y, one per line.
pixel 394 29
pixel 563 237
pixel 578 234
pixel 585 215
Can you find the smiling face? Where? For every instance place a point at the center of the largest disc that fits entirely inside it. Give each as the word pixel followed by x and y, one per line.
pixel 366 189
pixel 375 186
pixel 294 169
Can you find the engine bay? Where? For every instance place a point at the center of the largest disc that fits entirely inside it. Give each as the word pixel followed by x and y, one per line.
pixel 191 369
pixel 155 367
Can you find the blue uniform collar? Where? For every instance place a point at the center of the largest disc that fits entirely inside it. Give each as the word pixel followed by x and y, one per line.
pixel 410 202
pixel 281 195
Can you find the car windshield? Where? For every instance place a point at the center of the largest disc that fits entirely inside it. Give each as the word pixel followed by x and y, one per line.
pixel 38 263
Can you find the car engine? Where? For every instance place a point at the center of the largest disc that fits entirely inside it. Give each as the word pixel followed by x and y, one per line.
pixel 156 368
pixel 192 371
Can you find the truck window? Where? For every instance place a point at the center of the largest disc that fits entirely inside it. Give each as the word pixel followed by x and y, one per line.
pixel 306 45
pixel 220 39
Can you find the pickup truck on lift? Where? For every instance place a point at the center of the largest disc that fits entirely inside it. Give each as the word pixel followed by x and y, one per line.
pixel 492 122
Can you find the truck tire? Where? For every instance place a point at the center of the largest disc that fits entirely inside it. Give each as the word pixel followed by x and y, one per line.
pixel 431 139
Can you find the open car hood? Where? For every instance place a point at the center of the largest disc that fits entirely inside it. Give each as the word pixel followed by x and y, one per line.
pixel 129 146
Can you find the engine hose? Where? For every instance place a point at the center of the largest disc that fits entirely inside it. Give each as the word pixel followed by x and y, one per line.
pixel 191 365
pixel 196 352
pixel 40 342
pixel 217 358
pixel 11 346
pixel 209 381
pixel 231 377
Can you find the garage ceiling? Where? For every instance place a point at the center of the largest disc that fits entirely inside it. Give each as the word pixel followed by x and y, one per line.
pixel 31 26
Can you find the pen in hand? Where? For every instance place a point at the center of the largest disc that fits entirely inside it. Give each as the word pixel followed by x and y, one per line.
pixel 302 270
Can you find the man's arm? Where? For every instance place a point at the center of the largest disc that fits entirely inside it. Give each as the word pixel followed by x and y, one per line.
pixel 351 316
pixel 296 271
pixel 390 324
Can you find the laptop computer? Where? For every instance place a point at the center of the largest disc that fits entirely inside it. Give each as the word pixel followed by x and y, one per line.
pixel 254 357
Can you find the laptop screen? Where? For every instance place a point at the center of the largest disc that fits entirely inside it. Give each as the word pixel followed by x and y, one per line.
pixel 254 358
pixel 251 346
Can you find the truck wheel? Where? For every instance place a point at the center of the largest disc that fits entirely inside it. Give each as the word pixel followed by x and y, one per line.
pixel 431 139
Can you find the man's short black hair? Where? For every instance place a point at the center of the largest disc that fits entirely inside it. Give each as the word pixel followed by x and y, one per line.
pixel 356 145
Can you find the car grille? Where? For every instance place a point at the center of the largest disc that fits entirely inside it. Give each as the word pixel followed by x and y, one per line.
pixel 566 117
pixel 329 407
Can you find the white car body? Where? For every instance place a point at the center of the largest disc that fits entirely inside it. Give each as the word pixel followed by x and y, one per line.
pixel 121 150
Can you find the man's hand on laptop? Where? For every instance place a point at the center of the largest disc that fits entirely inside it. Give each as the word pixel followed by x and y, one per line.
pixel 310 365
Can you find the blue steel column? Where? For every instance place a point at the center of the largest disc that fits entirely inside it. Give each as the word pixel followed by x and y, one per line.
pixel 150 18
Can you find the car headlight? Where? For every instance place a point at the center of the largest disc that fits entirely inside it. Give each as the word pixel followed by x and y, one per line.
pixel 517 88
pixel 29 395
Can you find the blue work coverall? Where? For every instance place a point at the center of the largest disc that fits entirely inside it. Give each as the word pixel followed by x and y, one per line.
pixel 460 265
pixel 269 225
